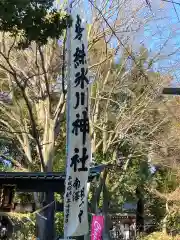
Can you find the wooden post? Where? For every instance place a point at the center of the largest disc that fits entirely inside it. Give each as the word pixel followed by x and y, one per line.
pixel 45 219
pixel 106 234
pixel 50 216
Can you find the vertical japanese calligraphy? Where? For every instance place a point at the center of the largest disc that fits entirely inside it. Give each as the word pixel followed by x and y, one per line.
pixel 79 143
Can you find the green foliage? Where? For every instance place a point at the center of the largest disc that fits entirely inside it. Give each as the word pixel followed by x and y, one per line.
pixel 166 180
pixel 5 167
pixel 174 222
pixel 159 236
pixel 59 223
pixel 59 162
pixel 136 175
pixel 24 226
pixel 155 208
pixel 23 197
pixel 32 20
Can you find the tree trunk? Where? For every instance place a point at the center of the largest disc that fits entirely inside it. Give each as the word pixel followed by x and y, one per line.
pixel 140 211
pixel 46 226
pixel 97 194
pixel 164 225
pixel 164 222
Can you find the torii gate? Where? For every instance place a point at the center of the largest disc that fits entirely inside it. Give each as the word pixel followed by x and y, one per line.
pixel 11 182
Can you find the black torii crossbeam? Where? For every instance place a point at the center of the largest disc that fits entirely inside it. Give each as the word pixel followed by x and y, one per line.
pixel 171 91
pixel 40 181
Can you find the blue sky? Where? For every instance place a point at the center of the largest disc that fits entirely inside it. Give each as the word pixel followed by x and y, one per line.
pixel 164 32
pixel 163 24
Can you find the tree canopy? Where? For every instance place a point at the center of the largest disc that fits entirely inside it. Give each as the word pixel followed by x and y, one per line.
pixel 32 20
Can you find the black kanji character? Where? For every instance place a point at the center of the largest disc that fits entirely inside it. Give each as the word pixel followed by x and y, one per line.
pixel 83 161
pixel 69 183
pixel 78 28
pixel 80 97
pixel 87 94
pixel 68 194
pixel 76 196
pixel 81 125
pixel 81 203
pixel 79 56
pixel 80 215
pixel 76 184
pixel 68 206
pixel 66 220
pixel 67 211
pixel 67 216
pixel 69 178
pixel 81 78
pixel 82 194
pixel 69 188
pixel 75 159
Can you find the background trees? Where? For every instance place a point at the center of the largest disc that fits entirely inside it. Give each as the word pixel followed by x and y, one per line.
pixel 132 125
pixel 32 104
